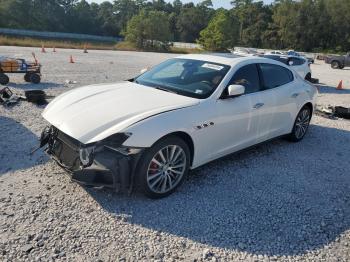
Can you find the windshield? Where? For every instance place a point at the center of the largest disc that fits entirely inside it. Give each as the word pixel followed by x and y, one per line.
pixel 193 78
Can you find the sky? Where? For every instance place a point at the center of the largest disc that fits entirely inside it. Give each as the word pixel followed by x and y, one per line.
pixel 216 3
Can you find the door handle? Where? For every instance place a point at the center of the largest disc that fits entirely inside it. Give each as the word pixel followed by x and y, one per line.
pixel 258 105
pixel 295 95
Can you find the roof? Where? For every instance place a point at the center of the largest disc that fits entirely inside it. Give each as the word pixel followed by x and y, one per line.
pixel 224 58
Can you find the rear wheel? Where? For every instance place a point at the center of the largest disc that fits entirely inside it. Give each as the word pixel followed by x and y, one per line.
pixel 308 77
pixel 301 125
pixel 335 64
pixel 4 79
pixel 163 167
pixel 35 78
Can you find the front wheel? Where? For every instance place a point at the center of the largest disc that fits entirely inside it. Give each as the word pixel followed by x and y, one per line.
pixel 301 125
pixel 4 79
pixel 163 167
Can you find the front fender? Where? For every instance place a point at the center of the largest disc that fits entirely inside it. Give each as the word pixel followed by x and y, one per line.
pixel 145 133
pixel 148 131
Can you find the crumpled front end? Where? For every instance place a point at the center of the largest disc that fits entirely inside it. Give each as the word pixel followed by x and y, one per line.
pixel 103 164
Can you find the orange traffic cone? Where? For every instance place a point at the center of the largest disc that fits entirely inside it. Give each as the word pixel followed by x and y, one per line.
pixel 340 85
pixel 54 49
pixel 71 60
pixel 43 49
pixel 85 49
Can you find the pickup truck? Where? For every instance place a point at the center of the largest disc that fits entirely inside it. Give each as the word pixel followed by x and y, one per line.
pixel 338 61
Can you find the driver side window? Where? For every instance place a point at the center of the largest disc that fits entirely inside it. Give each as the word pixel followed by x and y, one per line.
pixel 173 70
pixel 248 77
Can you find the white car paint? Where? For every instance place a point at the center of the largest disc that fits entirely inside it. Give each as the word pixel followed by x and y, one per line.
pixel 92 113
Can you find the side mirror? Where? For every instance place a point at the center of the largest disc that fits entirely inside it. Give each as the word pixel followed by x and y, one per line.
pixel 144 70
pixel 235 90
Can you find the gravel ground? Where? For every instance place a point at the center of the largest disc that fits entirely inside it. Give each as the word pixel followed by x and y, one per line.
pixel 276 202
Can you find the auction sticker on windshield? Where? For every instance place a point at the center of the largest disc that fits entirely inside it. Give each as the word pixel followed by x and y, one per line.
pixel 212 66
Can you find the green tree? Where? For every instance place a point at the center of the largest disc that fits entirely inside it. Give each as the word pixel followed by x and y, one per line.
pixel 149 30
pixel 254 18
pixel 222 32
pixel 193 19
pixel 339 11
pixel 125 10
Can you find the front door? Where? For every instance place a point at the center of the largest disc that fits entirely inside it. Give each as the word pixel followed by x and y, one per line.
pixel 238 118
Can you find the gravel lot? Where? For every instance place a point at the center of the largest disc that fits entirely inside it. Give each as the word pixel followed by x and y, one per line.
pixel 278 201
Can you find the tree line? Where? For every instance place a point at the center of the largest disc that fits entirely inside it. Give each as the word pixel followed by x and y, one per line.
pixel 306 25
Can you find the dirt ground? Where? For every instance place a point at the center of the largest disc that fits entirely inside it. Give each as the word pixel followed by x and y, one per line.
pixel 276 202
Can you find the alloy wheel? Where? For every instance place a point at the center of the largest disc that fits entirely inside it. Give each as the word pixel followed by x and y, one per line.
pixel 302 123
pixel 166 169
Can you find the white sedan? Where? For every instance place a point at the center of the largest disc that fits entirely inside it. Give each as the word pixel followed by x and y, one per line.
pixel 300 64
pixel 148 132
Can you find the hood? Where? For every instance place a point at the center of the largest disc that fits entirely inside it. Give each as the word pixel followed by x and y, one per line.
pixel 92 113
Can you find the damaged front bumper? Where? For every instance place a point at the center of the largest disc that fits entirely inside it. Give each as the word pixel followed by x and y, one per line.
pixel 102 164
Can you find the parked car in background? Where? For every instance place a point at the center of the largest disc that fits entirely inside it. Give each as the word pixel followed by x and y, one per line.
pixel 275 52
pixel 243 51
pixel 293 53
pixel 310 58
pixel 298 63
pixel 337 61
pixel 185 112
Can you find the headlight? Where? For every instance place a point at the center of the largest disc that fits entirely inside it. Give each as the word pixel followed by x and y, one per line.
pixel 86 155
pixel 115 142
pixel 125 150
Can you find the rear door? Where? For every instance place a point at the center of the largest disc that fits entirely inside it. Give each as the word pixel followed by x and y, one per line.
pixel 279 95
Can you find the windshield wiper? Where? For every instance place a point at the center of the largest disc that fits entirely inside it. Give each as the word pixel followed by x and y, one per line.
pixel 164 89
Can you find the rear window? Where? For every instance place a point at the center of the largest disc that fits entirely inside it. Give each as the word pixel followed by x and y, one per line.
pixel 275 75
pixel 297 61
pixel 278 58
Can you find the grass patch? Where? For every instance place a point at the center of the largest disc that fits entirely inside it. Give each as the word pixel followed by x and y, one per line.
pixel 127 46
pixel 71 44
pixel 178 50
pixel 79 44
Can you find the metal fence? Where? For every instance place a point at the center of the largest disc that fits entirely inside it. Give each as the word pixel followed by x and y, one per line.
pixel 56 35
pixel 186 45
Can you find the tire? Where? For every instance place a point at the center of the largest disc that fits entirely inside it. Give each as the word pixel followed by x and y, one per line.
pixel 35 78
pixel 308 77
pixel 4 79
pixel 301 125
pixel 156 177
pixel 335 64
pixel 341 67
pixel 27 77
